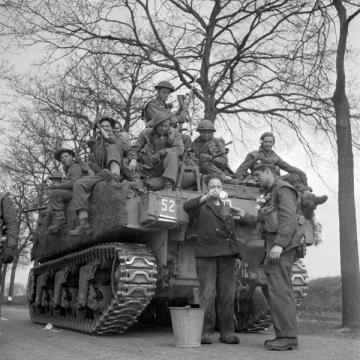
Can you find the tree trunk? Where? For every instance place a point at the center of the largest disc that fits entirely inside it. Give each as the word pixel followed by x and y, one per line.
pixel 349 258
pixel 3 278
pixel 12 278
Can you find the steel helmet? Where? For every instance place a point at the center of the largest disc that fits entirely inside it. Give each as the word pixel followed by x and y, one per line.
pixel 166 85
pixel 267 134
pixel 205 125
pixel 59 151
pixel 160 117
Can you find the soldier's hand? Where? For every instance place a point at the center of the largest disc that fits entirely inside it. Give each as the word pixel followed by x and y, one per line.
pixel 133 165
pixel 8 254
pixel 205 157
pixel 274 254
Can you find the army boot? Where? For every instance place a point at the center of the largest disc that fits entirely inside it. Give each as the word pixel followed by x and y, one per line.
pixel 83 227
pixel 229 338
pixel 282 344
pixel 58 221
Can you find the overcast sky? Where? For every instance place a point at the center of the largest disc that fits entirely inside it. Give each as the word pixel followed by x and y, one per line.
pixel 321 261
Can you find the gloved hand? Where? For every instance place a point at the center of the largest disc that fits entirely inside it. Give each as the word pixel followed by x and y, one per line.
pixel 7 254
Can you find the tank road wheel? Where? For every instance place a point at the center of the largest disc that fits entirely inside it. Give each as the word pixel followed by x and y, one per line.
pixel 300 281
pixel 252 313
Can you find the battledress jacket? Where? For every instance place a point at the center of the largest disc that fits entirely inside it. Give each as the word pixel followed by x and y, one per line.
pixel 72 173
pixel 8 219
pixel 214 147
pixel 272 156
pixel 149 142
pixel 278 216
pixel 214 227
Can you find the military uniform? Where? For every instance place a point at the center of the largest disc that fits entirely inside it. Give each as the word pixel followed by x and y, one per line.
pixel 296 176
pixel 103 152
pixel 279 226
pixel 63 191
pixel 147 151
pixel 215 147
pixel 8 226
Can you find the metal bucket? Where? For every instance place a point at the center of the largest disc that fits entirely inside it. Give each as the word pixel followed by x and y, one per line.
pixel 187 324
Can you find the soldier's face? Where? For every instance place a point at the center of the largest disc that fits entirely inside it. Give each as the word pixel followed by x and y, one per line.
pixel 117 129
pixel 263 177
pixel 206 135
pixel 164 94
pixel 66 159
pixel 163 128
pixel 107 127
pixel 267 143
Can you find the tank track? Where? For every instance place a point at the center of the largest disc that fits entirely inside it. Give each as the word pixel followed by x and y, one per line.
pixel 133 282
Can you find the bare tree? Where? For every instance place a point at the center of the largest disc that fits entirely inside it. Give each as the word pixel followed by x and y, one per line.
pixel 249 58
pixel 350 273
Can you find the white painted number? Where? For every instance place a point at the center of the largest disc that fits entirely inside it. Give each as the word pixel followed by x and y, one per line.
pixel 168 205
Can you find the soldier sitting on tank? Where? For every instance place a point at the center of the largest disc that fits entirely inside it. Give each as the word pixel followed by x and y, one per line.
pixel 156 153
pixel 61 191
pixel 296 177
pixel 106 162
pixel 210 152
pixel 158 104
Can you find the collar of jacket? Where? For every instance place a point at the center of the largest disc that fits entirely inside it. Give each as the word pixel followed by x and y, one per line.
pixel 266 153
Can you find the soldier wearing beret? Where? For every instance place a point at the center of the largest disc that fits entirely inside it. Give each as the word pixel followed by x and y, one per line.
pixel 61 192
pixel 9 227
pixel 278 222
pixel 295 176
pixel 156 153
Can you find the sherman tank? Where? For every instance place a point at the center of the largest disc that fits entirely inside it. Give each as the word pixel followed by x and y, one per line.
pixel 138 260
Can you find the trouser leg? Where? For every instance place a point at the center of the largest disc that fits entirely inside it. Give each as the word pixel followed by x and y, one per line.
pixel 113 154
pixel 211 169
pixel 171 166
pixel 82 190
pixel 296 181
pixel 281 295
pixel 206 270
pixel 58 197
pixel 225 293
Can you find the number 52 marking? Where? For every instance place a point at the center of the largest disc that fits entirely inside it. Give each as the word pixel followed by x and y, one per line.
pixel 168 205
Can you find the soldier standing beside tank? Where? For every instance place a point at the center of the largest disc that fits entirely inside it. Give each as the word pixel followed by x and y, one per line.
pixel 156 153
pixel 10 228
pixel 278 222
pixel 210 152
pixel 216 250
pixel 61 192
pixel 106 162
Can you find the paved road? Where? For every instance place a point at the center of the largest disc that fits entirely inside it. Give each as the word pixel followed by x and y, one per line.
pixel 22 340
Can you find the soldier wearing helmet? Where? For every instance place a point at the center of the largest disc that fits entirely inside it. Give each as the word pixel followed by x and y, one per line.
pixel 61 191
pixel 210 152
pixel 156 153
pixel 158 104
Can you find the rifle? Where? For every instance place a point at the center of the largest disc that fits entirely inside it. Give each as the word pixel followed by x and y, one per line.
pixel 184 101
pixel 35 209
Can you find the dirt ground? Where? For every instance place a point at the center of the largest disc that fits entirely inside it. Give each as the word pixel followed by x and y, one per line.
pixel 21 339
